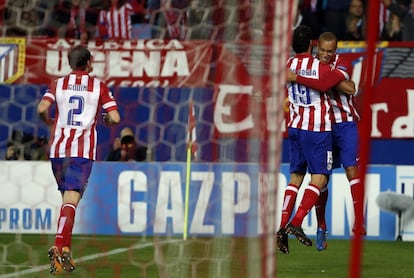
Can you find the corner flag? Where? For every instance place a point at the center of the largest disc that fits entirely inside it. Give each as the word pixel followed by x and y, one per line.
pixel 191 136
pixel 191 152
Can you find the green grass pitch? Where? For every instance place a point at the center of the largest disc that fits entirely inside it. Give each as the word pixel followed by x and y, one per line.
pixel 131 256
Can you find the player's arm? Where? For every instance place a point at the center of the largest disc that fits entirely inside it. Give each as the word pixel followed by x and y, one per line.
pixel 346 87
pixel 111 117
pixel 43 111
pixel 329 80
pixel 45 104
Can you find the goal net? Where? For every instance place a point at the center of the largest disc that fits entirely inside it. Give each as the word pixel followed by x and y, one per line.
pixel 209 211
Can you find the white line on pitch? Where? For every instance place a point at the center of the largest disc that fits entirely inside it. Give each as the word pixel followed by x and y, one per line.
pixel 84 258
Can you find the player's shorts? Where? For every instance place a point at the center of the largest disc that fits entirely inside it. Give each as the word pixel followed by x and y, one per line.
pixel 310 151
pixel 345 144
pixel 72 173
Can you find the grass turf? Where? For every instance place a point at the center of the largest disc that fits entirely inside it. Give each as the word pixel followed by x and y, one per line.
pixel 129 256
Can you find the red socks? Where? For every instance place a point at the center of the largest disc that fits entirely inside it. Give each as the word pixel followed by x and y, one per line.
pixel 289 201
pixel 65 226
pixel 308 201
pixel 356 192
pixel 320 207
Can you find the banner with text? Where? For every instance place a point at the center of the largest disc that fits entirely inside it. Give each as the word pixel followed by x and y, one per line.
pixel 148 199
pixel 239 71
pixel 135 63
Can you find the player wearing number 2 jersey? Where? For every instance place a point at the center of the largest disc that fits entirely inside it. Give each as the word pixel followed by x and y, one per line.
pixel 78 98
pixel 309 133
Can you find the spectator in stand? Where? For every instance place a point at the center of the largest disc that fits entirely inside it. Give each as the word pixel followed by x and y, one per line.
pixel 310 13
pixel 12 152
pixel 297 21
pixel 198 21
pixel 406 14
pixel 392 30
pixel 175 17
pixel 355 22
pixel 25 146
pixel 138 17
pixel 2 8
pixel 115 20
pixel 60 16
pixel 29 18
pixel 10 22
pixel 76 27
pixel 154 5
pixel 125 148
pixel 335 12
pixel 141 29
pixel 219 16
pixel 69 20
pixel 154 13
pixel 37 149
pixel 245 13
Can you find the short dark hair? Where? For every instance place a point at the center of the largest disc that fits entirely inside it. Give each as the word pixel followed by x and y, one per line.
pixel 302 37
pixel 78 57
pixel 127 139
pixel 327 36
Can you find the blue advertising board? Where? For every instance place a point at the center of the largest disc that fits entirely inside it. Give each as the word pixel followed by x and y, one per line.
pixel 225 199
pixel 148 198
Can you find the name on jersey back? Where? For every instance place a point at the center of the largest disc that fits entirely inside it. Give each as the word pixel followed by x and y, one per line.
pixel 77 87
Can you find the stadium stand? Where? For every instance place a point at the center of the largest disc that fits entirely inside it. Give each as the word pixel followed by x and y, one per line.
pixel 216 20
pixel 212 19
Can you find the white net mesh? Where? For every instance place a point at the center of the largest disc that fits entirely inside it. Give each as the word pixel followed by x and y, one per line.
pixel 253 33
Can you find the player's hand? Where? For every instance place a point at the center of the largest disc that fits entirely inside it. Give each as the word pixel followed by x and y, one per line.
pixel 117 143
pixel 290 75
pixel 106 119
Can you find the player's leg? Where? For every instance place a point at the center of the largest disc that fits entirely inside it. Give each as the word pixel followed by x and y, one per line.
pixel 310 197
pixel 320 206
pixel 289 201
pixel 54 252
pixel 347 135
pixel 297 169
pixel 356 192
pixel 289 198
pixel 318 153
pixel 65 227
pixel 74 174
pixel 320 209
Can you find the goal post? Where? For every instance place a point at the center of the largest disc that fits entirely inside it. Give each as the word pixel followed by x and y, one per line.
pixel 367 83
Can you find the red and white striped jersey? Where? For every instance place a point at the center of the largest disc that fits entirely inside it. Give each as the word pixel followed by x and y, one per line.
pixel 309 109
pixel 343 105
pixel 78 98
pixel 116 22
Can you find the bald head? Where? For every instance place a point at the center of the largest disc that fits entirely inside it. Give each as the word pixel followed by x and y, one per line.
pixel 327 36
